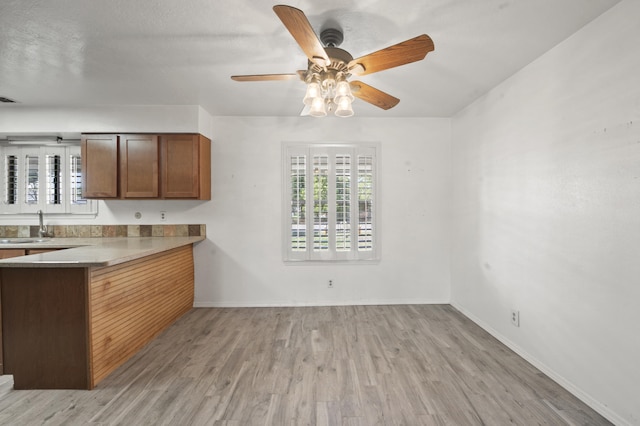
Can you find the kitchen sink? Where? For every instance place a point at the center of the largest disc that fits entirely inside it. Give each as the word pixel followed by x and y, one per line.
pixel 23 240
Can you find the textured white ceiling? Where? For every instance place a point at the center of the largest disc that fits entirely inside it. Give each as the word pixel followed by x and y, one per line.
pixel 168 52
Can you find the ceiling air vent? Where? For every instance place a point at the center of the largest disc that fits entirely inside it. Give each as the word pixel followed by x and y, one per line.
pixel 7 100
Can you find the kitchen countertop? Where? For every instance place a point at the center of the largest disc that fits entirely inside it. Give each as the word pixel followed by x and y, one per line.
pixel 87 252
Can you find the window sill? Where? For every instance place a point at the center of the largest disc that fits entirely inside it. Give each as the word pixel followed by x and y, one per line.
pixel 288 262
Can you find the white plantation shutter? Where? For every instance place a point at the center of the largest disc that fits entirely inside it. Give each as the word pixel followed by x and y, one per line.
pixel 32 178
pixel 320 224
pixel 329 202
pixel 75 180
pixel 76 204
pixel 11 181
pixel 52 180
pixel 297 173
pixel 343 200
pixel 47 178
pixel 365 202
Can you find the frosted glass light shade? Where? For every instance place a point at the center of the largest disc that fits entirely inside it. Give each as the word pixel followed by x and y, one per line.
pixel 313 92
pixel 318 108
pixel 344 107
pixel 342 90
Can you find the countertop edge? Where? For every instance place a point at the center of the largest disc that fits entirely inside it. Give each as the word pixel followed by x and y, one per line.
pixel 96 252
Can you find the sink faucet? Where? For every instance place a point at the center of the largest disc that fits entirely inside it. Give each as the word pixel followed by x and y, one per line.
pixel 42 232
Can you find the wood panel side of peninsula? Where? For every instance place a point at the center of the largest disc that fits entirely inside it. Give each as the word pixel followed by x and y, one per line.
pixel 68 328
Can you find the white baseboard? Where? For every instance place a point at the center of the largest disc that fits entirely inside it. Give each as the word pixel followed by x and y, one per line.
pixel 289 303
pixel 569 386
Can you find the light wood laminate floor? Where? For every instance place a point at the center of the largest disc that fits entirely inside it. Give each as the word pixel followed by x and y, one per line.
pixel 347 365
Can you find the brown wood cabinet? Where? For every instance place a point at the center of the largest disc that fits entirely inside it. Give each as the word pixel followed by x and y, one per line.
pixel 38 251
pixel 100 159
pixel 138 166
pixel 7 253
pixel 185 166
pixel 147 166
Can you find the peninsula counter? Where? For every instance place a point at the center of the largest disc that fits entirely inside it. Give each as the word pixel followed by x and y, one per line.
pixel 72 316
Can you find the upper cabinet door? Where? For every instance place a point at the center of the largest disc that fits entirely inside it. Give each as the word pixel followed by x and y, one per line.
pixel 186 166
pixel 139 166
pixel 99 166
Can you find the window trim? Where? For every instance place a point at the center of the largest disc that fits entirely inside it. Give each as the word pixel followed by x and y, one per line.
pixel 353 256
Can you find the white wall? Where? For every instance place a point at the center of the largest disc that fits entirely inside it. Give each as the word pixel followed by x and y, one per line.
pixel 69 121
pixel 241 262
pixel 546 202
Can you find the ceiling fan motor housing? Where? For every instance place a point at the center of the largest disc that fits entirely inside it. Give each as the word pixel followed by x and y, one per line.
pixel 331 37
pixel 340 58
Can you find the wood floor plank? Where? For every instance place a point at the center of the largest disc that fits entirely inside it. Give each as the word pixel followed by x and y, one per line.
pixel 342 365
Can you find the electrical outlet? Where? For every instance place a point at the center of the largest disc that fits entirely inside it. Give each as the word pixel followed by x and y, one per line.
pixel 515 318
pixel 163 216
pixel 330 283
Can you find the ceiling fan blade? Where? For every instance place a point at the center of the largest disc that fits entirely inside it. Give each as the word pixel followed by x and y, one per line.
pixel 408 51
pixel 372 95
pixel 301 30
pixel 265 77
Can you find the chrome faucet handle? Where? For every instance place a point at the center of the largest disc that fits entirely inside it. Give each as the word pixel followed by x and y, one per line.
pixel 42 231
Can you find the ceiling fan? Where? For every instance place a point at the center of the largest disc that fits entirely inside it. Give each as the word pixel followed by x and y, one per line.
pixel 330 67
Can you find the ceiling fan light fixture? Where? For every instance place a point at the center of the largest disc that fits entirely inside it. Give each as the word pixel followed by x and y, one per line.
pixel 344 107
pixel 318 108
pixel 328 83
pixel 328 91
pixel 313 92
pixel 343 90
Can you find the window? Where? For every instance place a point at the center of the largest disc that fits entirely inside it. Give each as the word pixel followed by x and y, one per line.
pixel 47 178
pixel 330 202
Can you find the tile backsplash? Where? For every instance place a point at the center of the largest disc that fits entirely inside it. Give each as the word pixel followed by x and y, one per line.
pixel 102 231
